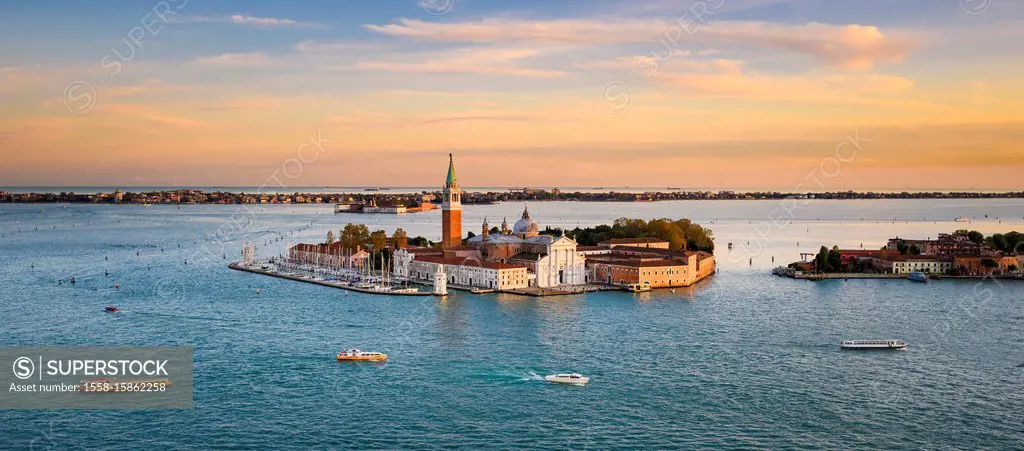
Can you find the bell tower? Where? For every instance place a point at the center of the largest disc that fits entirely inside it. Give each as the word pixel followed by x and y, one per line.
pixel 451 210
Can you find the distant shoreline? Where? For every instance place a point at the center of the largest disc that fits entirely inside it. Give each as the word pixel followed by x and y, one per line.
pixel 190 196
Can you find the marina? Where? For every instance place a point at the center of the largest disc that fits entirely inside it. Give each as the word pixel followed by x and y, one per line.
pixel 349 282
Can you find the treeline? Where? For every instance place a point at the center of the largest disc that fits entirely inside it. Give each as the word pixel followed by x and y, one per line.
pixel 680 233
pixel 359 236
pixel 1010 243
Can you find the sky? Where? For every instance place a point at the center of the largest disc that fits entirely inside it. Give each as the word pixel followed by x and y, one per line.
pixel 817 95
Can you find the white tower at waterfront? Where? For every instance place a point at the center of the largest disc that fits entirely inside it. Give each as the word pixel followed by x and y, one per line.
pixel 440 281
pixel 248 253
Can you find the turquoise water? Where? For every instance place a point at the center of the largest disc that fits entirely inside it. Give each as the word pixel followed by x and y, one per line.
pixel 744 360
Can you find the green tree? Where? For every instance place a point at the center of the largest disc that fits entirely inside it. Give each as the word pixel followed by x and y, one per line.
pixel 379 240
pixel 975 236
pixel 835 261
pixel 354 235
pixel 400 239
pixel 914 250
pixel 821 260
pixel 330 237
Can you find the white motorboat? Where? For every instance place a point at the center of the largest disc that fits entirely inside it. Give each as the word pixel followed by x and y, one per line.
pixel 566 378
pixel 405 290
pixel 962 219
pixel 873 344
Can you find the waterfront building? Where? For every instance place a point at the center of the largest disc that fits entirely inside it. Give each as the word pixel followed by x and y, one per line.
pixel 552 261
pixel 451 209
pixel 468 273
pixel 332 255
pixel 947 244
pixel 906 264
pixel 651 242
pixel 681 269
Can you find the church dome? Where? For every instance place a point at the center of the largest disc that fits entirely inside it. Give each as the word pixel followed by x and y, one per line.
pixel 526 225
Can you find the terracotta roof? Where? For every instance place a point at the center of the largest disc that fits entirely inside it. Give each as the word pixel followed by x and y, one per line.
pixel 447 260
pixel 467 262
pixel 424 250
pixel 531 256
pixel 649 239
pixel 639 263
pixel 498 265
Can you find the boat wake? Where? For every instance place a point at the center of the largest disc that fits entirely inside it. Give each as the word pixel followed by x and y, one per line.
pixel 532 377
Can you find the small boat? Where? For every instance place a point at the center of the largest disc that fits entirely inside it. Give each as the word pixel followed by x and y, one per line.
pixel 405 290
pixel 566 378
pixel 110 308
pixel 873 344
pixel 962 219
pixel 918 276
pixel 357 355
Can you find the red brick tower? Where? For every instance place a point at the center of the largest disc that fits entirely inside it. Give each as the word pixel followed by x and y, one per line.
pixel 451 210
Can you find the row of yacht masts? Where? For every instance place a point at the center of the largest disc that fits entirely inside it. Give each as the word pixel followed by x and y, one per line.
pixel 340 264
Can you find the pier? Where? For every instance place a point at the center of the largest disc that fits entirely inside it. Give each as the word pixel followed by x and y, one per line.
pixel 333 283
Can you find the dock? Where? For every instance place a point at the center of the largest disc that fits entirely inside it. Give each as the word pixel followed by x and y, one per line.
pixel 239 266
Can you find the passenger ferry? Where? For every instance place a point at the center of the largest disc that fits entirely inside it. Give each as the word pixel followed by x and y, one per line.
pixel 873 344
pixel 357 355
pixel 918 276
pixel 571 379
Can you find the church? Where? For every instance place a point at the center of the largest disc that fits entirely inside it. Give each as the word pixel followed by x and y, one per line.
pixel 549 261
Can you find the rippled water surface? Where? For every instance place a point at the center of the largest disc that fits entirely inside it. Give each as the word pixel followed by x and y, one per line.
pixel 744 360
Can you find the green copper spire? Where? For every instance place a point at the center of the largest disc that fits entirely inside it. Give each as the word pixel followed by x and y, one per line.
pixel 451 170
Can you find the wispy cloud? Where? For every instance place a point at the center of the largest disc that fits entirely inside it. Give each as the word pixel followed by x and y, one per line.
pixel 481 61
pixel 245 19
pixel 854 47
pixel 236 60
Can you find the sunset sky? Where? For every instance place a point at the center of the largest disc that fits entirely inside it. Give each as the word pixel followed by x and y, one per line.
pixel 723 94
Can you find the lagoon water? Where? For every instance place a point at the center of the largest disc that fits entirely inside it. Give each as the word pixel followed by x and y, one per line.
pixel 744 360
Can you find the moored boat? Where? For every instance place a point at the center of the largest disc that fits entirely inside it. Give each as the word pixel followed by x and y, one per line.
pixel 873 344
pixel 962 219
pixel 357 355
pixel 567 378
pixel 918 276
